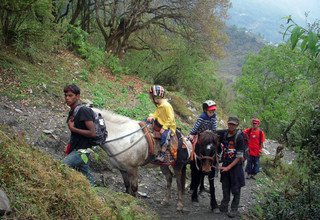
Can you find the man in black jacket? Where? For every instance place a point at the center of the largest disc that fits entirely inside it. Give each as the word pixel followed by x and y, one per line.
pixel 81 124
pixel 232 175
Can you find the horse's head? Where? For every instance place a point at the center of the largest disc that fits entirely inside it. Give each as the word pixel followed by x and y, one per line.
pixel 207 150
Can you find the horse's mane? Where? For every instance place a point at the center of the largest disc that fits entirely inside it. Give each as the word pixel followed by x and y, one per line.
pixel 208 137
pixel 112 117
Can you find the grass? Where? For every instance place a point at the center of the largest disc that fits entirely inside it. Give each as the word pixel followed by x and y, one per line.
pixel 41 188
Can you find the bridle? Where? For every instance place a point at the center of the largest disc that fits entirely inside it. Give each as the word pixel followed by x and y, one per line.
pixel 212 159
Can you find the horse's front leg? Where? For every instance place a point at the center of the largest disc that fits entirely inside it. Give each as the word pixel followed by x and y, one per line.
pixel 196 182
pixel 133 178
pixel 130 179
pixel 168 174
pixel 126 181
pixel 213 202
pixel 178 169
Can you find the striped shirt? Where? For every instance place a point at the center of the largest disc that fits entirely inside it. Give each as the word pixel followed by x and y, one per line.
pixel 204 122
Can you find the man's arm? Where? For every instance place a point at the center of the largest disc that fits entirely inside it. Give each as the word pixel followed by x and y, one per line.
pixel 91 132
pixel 227 168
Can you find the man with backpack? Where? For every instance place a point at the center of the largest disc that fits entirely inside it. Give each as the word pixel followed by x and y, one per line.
pixel 232 175
pixel 81 125
pixel 256 139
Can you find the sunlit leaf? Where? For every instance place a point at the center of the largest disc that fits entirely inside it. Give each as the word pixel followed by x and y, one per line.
pixel 285 32
pixel 294 38
pixel 84 158
pixel 304 44
pixel 312 41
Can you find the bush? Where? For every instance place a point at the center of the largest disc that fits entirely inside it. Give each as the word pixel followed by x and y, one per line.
pixel 289 192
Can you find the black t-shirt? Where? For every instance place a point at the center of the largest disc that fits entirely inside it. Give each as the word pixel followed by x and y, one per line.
pixel 78 141
pixel 231 149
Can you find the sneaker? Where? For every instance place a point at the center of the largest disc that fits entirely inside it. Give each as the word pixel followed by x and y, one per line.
pixel 232 214
pixel 160 157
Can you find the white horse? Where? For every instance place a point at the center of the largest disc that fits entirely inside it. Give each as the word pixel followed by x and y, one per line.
pixel 127 148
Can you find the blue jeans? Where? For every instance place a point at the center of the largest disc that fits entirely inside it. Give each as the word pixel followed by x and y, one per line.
pixel 164 138
pixel 253 165
pixel 75 161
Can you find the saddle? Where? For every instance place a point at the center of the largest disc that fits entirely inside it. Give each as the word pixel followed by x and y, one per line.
pixel 153 137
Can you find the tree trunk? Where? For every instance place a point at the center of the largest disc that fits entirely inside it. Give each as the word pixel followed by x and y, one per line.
pixel 77 12
pixel 285 138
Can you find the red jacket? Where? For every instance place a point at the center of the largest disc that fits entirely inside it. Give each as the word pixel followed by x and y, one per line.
pixel 254 141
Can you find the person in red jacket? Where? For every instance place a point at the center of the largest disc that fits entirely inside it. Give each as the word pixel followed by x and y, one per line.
pixel 256 139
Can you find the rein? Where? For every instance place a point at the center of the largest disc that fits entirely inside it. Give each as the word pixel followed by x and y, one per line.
pixel 119 138
pixel 201 157
pixel 113 155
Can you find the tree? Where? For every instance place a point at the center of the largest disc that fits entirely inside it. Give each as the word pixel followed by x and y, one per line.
pixel 274 86
pixel 23 19
pixel 119 20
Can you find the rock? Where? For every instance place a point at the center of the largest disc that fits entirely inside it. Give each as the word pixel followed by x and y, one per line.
pixel 18 110
pixel 4 203
pixel 48 131
pixel 142 194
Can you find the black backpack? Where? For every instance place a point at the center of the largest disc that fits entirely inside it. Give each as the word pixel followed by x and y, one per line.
pixel 245 143
pixel 100 127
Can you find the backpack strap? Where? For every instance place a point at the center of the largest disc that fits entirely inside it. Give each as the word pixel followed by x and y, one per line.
pixel 76 109
pixel 236 137
pixel 260 137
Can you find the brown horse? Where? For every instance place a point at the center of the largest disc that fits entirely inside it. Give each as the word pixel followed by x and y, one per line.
pixel 127 147
pixel 205 163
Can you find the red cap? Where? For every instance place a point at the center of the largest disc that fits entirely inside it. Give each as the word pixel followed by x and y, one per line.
pixel 212 107
pixel 256 120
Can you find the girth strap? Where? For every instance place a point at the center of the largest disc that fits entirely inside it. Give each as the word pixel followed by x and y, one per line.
pixel 148 137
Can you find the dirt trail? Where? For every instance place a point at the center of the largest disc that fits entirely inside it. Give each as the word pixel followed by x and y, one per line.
pixel 45 128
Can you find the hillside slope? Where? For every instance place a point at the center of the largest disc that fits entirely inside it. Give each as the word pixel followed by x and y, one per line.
pixel 241 44
pixel 33 135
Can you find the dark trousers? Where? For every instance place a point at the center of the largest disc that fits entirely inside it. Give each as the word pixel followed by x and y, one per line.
pixel 232 181
pixel 253 165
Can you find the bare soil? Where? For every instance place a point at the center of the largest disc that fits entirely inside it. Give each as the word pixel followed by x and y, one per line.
pixel 45 128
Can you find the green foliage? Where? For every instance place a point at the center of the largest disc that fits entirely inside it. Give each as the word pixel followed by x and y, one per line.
pixel 139 111
pixel 306 39
pixel 275 87
pixel 77 39
pixel 114 64
pixel 84 75
pixel 289 192
pixel 27 25
pixel 85 158
pixel 184 69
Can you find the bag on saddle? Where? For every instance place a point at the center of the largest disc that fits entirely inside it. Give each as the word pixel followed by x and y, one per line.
pixel 100 127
